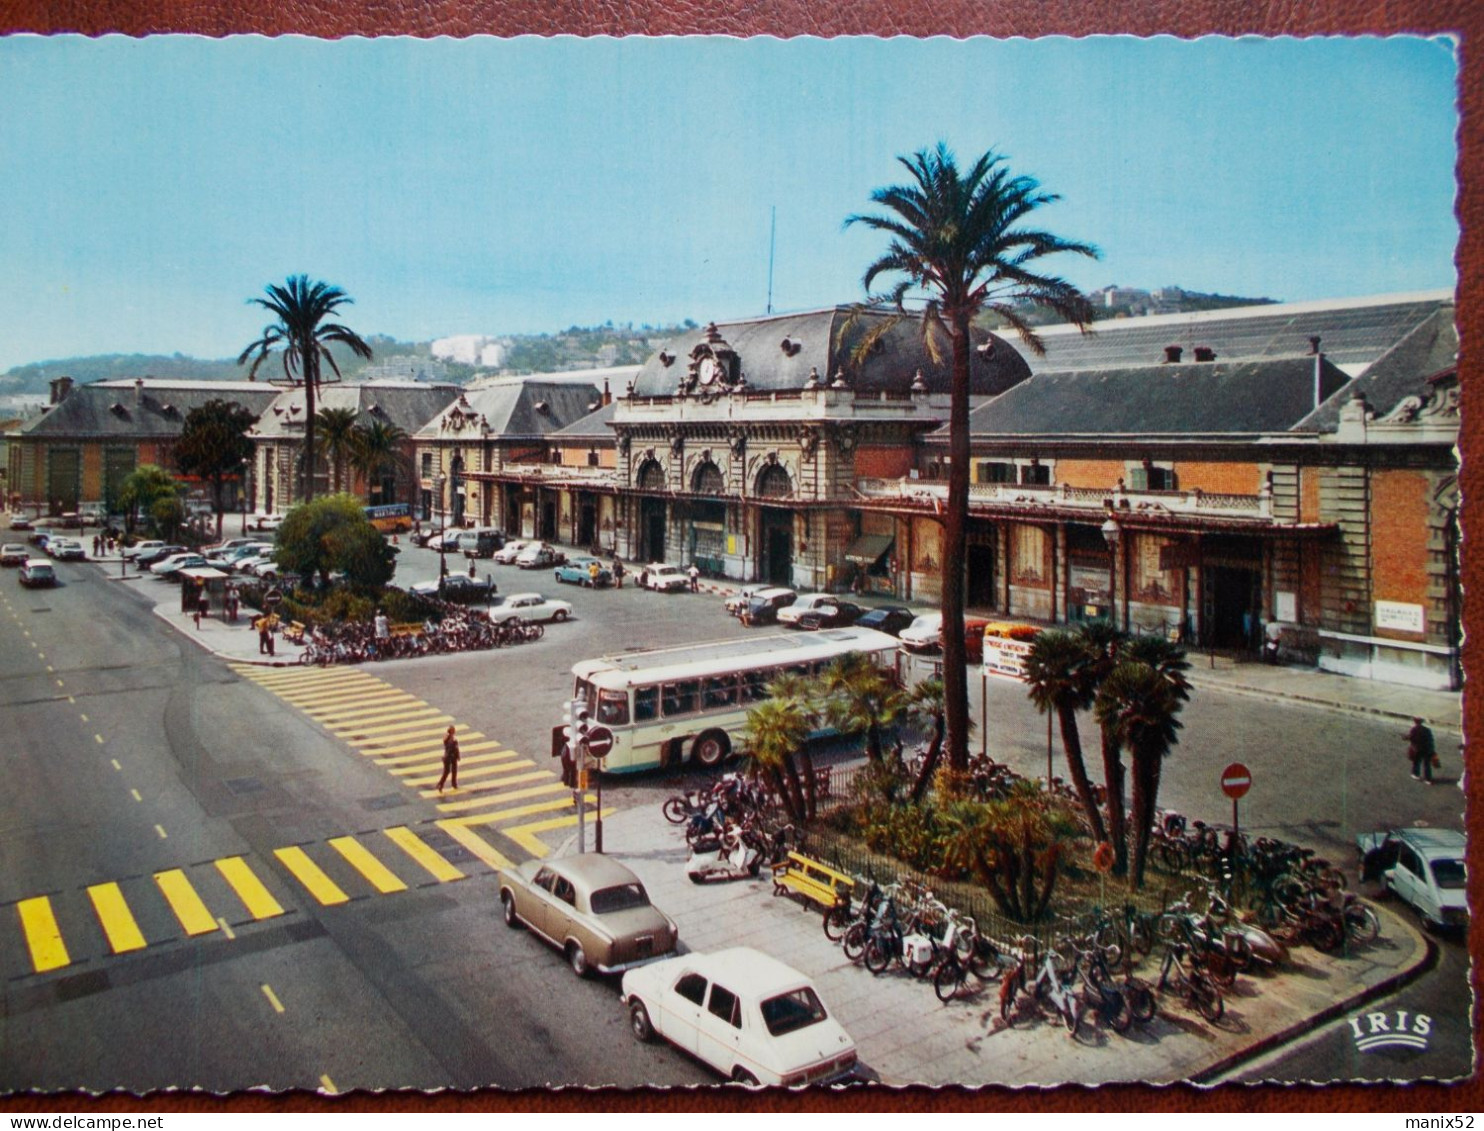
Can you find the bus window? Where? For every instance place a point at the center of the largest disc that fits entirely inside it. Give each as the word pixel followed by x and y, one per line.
pixel 613 707
pixel 583 690
pixel 720 691
pixel 646 704
pixel 680 698
pixel 755 685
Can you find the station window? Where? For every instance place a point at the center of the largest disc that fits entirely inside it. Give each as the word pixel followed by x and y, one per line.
pixel 1035 475
pixel 992 471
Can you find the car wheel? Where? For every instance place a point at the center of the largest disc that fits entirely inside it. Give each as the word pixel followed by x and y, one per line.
pixel 711 749
pixel 740 1075
pixel 639 1023
pixel 507 908
pixel 577 959
pixel 559 616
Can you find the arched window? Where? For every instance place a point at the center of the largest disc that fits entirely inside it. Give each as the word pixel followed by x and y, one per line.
pixel 707 480
pixel 651 476
pixel 773 482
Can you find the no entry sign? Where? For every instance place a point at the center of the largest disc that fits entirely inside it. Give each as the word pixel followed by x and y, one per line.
pixel 1236 780
pixel 599 742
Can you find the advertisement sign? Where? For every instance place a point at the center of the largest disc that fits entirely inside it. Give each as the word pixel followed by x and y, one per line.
pixel 1398 616
pixel 1005 658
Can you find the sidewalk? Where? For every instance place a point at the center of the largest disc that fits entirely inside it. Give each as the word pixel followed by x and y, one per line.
pixel 906 1037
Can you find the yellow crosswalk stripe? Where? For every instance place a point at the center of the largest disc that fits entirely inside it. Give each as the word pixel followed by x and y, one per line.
pixel 361 714
pixel 525 835
pixel 308 873
pixel 476 844
pixel 43 936
pixel 314 680
pixel 415 723
pixel 479 770
pixel 432 738
pixel 410 843
pixel 382 878
pixel 116 918
pixel 485 786
pixel 435 750
pixel 519 810
pixel 184 901
pixel 255 897
pixel 335 693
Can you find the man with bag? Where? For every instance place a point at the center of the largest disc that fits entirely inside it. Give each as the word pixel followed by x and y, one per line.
pixel 1422 751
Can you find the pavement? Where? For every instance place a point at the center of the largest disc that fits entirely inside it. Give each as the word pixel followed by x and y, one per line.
pixel 905 1036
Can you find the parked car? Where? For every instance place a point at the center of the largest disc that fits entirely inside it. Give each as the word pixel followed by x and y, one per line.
pixel 172 565
pixel 590 907
pixel 579 571
pixel 133 552
pixel 763 608
pixel 37 573
pixel 890 619
pixel 737 603
pixel 1424 866
pixel 268 521
pixel 925 634
pixel 229 559
pixel 13 554
pixel 447 541
pixel 507 553
pixel 66 550
pixel 819 610
pixel 749 1016
pixel 456 587
pixel 529 606
pixel 20 522
pixel 540 555
pixel 158 554
pixel 230 544
pixel 260 566
pixel 664 578
pixel 481 542
pixel 425 535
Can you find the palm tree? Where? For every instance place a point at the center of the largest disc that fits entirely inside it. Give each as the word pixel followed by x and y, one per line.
pixel 1059 674
pixel 957 244
pixel 378 450
pixel 860 699
pixel 303 337
pixel 1013 846
pixel 1137 705
pixel 777 730
pixel 924 708
pixel 1104 642
pixel 337 427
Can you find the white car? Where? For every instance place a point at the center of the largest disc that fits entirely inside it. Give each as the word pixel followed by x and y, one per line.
pixel 507 553
pixel 925 634
pixel 268 521
pixel 175 562
pixel 539 555
pixel 737 603
pixel 752 1018
pixel 664 578
pixel 529 606
pixel 1424 866
pixel 804 604
pixel 142 548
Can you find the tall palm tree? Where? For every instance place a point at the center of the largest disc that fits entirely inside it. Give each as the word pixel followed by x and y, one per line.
pixel 860 699
pixel 303 337
pixel 1060 678
pixel 1104 642
pixel 1013 846
pixel 924 707
pixel 958 246
pixel 337 428
pixel 777 730
pixel 378 450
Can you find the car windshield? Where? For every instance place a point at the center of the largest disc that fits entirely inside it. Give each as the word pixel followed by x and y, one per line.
pixel 625 897
pixel 797 1009
pixel 1449 874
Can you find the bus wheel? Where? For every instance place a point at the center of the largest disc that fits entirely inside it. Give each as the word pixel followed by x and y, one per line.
pixel 711 749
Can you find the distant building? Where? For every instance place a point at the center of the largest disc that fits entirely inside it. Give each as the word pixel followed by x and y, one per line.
pixel 472 349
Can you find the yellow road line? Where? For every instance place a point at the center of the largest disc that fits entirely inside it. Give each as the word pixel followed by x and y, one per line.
pixel 43 936
pixel 308 873
pixel 525 835
pixel 255 897
pixel 520 810
pixel 410 843
pixel 226 928
pixel 476 844
pixel 499 784
pixel 382 878
pixel 184 901
pixel 272 998
pixel 117 920
pixel 329 1086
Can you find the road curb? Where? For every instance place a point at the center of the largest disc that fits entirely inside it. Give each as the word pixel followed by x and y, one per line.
pixel 1316 701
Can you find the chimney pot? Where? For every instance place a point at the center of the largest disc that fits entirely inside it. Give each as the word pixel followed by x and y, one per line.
pixel 1205 353
pixel 1314 344
pixel 1172 353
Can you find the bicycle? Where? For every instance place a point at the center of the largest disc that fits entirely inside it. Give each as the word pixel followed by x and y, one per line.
pixel 1182 973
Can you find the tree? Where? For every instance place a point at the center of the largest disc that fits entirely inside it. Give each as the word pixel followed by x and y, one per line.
pixel 168 514
pixel 860 698
pixel 1104 642
pixel 777 729
pixel 333 533
pixel 1013 846
pixel 337 433
pixel 924 707
pixel 302 338
pixel 142 488
pixel 958 247
pixel 1060 676
pixel 213 446
pixel 377 451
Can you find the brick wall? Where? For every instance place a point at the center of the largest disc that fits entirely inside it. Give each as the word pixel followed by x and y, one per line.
pixel 1399 509
pixel 1308 494
pixel 1225 478
pixel 1089 472
pixel 882 463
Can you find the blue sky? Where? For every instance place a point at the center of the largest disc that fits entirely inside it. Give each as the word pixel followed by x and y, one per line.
pixel 501 186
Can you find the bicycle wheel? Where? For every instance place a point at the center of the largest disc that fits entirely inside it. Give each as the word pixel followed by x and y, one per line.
pixel 878 954
pixel 1071 1012
pixel 984 960
pixel 854 942
pixel 836 922
pixel 1325 934
pixel 1207 997
pixel 675 811
pixel 1012 1011
pixel 1117 1011
pixel 1141 1001
pixel 1141 935
pixel 1361 923
pixel 949 979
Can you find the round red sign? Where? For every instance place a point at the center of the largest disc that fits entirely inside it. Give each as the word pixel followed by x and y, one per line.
pixel 599 742
pixel 1236 780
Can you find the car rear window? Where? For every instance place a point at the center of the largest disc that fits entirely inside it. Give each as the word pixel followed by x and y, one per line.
pixel 622 898
pixel 1449 874
pixel 797 1009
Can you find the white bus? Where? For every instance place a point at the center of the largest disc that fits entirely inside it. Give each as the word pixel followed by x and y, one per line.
pixel 667 705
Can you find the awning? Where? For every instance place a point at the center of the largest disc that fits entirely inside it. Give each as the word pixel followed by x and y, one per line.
pixel 869 549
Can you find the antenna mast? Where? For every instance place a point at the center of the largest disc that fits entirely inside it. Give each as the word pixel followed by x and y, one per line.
pixel 772 243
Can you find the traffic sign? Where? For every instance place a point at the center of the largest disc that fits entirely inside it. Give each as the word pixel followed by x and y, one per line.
pixel 1236 780
pixel 599 742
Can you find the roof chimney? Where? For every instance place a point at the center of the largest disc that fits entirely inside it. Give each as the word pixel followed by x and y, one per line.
pixel 607 395
pixel 61 386
pixel 1172 354
pixel 138 391
pixel 1318 373
pixel 1314 344
pixel 1205 353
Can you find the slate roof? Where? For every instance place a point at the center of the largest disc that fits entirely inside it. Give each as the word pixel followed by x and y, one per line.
pixel 1353 333
pixel 407 404
pixel 524 409
pixel 595 425
pixel 1399 373
pixel 126 410
pixel 824 341
pixel 1238 397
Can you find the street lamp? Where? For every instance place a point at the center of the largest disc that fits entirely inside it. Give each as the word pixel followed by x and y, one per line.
pixel 438 485
pixel 1113 534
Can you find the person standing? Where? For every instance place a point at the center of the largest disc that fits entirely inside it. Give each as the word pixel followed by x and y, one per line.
pixel 695 578
pixel 1422 750
pixel 450 759
pixel 617 573
pixel 594 571
pixel 265 636
pixel 383 631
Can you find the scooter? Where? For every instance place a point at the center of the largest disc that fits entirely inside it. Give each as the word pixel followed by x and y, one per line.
pixel 736 855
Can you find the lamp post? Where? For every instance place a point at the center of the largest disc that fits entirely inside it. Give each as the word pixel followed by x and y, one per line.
pixel 1112 534
pixel 438 485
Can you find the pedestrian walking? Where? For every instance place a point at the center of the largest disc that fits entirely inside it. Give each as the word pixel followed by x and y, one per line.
pixel 695 578
pixel 472 574
pixel 1422 750
pixel 97 546
pixel 382 628
pixel 450 759
pixel 617 573
pixel 265 636
pixel 231 603
pixel 203 605
pixel 594 571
